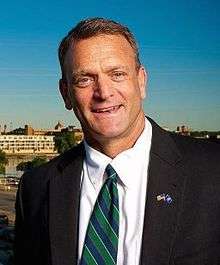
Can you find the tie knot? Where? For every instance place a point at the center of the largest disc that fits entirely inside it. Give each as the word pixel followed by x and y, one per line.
pixel 111 173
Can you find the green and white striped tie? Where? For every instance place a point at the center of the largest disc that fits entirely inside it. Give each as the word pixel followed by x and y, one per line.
pixel 101 241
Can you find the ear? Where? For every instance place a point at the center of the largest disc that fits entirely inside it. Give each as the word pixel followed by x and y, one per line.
pixel 65 94
pixel 142 81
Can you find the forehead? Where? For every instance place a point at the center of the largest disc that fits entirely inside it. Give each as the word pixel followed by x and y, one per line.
pixel 101 49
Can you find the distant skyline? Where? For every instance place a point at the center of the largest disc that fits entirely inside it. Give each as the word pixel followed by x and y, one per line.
pixel 179 46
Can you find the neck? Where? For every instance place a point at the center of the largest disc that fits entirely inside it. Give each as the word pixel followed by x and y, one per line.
pixel 114 146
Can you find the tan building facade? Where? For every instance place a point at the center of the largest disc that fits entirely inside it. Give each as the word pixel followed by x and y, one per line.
pixel 27 144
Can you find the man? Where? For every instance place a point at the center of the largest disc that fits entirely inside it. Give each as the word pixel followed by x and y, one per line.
pixel 131 193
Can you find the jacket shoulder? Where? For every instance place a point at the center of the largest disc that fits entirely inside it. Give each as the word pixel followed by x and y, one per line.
pixel 38 178
pixel 198 150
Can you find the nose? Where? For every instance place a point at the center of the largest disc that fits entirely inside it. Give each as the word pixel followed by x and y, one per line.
pixel 103 89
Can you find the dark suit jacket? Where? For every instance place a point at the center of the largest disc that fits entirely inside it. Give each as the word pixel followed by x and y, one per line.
pixel 185 232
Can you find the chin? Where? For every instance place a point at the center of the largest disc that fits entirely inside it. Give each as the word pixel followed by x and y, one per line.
pixel 109 133
pixel 105 130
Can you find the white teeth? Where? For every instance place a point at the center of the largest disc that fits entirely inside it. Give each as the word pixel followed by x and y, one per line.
pixel 106 110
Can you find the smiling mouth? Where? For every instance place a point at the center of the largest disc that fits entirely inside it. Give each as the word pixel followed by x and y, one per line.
pixel 107 110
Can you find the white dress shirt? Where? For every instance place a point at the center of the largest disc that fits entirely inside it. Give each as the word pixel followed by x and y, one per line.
pixel 132 168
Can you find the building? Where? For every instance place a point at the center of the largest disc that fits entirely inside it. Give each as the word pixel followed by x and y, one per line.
pixel 29 140
pixel 76 133
pixel 28 130
pixel 183 130
pixel 27 144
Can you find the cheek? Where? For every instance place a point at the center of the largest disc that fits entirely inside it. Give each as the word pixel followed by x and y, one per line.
pixel 81 101
pixel 132 93
pixel 139 91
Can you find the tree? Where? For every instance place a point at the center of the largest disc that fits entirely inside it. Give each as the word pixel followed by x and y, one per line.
pixel 3 162
pixel 23 166
pixel 36 162
pixel 2 169
pixel 3 159
pixel 64 141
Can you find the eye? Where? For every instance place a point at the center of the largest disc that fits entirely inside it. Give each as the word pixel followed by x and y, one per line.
pixel 83 81
pixel 119 76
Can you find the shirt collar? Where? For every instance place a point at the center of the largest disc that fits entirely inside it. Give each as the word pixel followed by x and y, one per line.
pixel 133 158
pixel 96 162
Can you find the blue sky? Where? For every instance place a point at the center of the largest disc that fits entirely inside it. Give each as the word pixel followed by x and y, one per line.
pixel 179 45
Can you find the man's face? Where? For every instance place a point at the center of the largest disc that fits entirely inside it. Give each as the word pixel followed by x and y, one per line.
pixel 104 87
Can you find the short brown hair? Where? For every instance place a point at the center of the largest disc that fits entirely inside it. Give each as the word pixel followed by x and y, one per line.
pixel 93 27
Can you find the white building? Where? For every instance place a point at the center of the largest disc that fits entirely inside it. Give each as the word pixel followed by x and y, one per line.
pixel 27 144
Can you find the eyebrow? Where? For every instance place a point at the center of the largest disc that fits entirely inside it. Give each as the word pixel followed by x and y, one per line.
pixel 90 72
pixel 79 73
pixel 115 68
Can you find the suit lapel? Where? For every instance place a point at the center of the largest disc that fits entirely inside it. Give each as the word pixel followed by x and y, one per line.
pixel 164 176
pixel 64 207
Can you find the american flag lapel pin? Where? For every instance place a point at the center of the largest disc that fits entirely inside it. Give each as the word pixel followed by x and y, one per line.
pixel 165 197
